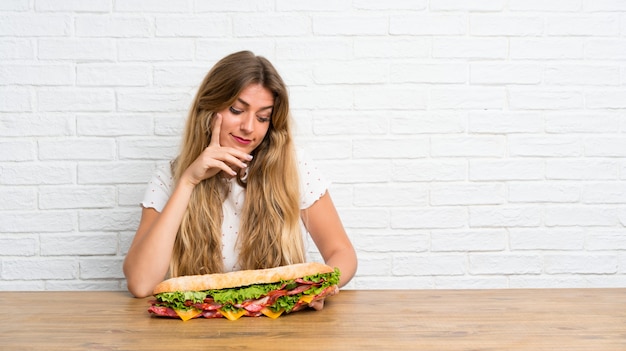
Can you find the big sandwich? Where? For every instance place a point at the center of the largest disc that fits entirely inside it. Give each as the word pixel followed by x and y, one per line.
pixel 253 293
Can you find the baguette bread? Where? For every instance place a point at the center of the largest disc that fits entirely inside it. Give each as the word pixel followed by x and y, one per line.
pixel 241 278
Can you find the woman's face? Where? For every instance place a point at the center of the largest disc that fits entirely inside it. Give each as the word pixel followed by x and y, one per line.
pixel 247 120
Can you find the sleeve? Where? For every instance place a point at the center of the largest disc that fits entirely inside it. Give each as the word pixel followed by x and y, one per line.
pixel 313 185
pixel 159 189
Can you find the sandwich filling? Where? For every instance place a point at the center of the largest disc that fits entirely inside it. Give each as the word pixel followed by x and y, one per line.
pixel 271 299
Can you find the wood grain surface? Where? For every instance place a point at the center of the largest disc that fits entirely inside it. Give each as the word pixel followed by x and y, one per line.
pixel 541 319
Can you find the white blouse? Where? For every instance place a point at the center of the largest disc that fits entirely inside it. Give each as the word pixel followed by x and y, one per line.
pixel 312 187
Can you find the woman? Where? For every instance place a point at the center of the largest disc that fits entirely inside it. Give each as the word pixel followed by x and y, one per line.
pixel 236 197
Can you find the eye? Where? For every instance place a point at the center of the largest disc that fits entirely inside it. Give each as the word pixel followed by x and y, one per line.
pixel 263 119
pixel 235 111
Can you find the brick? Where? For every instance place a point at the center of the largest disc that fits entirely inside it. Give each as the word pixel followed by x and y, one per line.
pixel 38 124
pixel 578 263
pixel 161 49
pixel 429 264
pixel 613 99
pixel 604 193
pixel 468 240
pixel 590 25
pixel 360 171
pixel 466 194
pixel 130 195
pixel 419 24
pixel 467 98
pixel 428 73
pixel 36 173
pixel 561 239
pixel 401 242
pixel 115 26
pixel 604 5
pixel 431 122
pixel 504 216
pixel 17 49
pixel 113 125
pixel 50 74
pixel 37 221
pixel 217 6
pixel 581 169
pixel 504 264
pixel 351 73
pixel 115 172
pixel 18 198
pixel 545 146
pixel 276 25
pixel 375 265
pixel 400 47
pixel 541 192
pixel 321 98
pixel 582 75
pixel 34 25
pixel 502 25
pixel 582 122
pixel 196 26
pixel 598 215
pixel 544 99
pixel 483 48
pixel 605 48
pixel 467 146
pixel 391 98
pixel 546 48
pixel 390 148
pixel 78 244
pixel 78 197
pixel 390 195
pixel 179 76
pixel 84 49
pixel 389 5
pixel 148 101
pixel 429 170
pixel 75 99
pixel 213 49
pixel 606 240
pixel 17 150
pixel 506 169
pixel 153 6
pixel 504 122
pixel 15 100
pixel 18 246
pixel 605 146
pixel 365 218
pixel 428 217
pixel 38 268
pixel 546 6
pixel 112 75
pixel 101 268
pixel 471 5
pixel 77 149
pixel 148 149
pixel 116 219
pixel 506 73
pixel 72 6
pixel 349 25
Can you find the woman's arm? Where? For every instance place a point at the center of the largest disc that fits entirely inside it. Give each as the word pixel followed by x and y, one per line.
pixel 149 255
pixel 323 223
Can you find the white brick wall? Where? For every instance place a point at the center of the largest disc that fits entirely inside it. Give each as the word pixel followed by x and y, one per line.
pixel 471 144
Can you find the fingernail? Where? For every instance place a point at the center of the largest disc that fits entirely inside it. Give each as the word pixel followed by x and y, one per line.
pixel 249 157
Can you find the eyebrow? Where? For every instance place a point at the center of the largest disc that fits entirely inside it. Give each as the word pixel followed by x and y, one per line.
pixel 247 104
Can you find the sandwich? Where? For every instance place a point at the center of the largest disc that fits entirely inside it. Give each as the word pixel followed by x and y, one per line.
pixel 253 293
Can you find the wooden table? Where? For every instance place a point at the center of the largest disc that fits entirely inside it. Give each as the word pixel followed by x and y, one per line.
pixel 551 319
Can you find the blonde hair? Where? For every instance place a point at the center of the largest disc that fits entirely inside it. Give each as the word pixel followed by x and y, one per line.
pixel 269 233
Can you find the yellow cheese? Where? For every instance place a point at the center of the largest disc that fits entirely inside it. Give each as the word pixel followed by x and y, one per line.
pixel 268 312
pixel 232 315
pixel 188 314
pixel 307 298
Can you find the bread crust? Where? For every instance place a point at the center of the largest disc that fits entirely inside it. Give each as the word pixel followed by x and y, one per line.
pixel 241 278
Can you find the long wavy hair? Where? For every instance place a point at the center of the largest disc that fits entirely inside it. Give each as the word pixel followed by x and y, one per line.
pixel 269 233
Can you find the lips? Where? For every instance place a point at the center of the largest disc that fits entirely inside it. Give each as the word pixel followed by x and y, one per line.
pixel 242 141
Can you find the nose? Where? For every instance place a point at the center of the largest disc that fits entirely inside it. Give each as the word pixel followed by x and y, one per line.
pixel 247 123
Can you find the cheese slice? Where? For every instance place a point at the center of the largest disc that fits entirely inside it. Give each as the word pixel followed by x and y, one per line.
pixel 188 314
pixel 273 315
pixel 306 298
pixel 232 315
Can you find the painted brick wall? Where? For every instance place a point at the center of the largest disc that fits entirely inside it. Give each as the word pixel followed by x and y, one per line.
pixel 471 144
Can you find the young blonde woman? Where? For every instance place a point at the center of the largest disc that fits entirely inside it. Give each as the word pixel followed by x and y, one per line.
pixel 237 196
